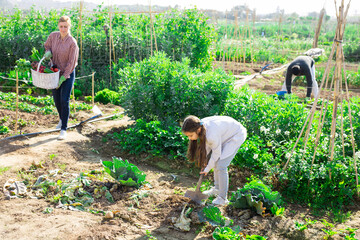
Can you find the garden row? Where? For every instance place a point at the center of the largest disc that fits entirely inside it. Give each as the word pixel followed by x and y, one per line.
pixel 179 34
pixel 159 93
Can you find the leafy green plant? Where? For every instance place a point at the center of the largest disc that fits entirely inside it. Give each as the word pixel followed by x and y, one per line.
pixel 226 233
pixel 4 129
pixel 340 216
pixel 327 224
pixel 137 196
pixel 277 211
pixel 153 137
pixel 329 233
pixel 300 226
pixel 213 215
pixel 124 172
pixel 106 96
pixel 149 236
pixel 158 89
pixel 257 195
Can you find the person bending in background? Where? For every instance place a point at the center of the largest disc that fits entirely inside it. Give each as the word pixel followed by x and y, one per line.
pixel 220 136
pixel 63 50
pixel 301 66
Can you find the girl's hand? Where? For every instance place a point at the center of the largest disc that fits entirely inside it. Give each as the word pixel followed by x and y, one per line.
pixel 205 173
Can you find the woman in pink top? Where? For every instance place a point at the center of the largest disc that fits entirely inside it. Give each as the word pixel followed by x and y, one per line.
pixel 63 50
pixel 217 138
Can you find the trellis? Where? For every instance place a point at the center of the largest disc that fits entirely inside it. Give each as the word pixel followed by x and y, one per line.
pixel 338 96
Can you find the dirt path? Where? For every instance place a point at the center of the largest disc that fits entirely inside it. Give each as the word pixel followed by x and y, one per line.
pixel 23 218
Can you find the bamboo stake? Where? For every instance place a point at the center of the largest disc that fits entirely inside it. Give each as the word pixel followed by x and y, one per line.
pixel 153 28
pixel 151 38
pixel 234 39
pixel 246 34
pixel 321 121
pixel 80 30
pixel 351 125
pixel 73 96
pixel 317 32
pixel 113 47
pixel 224 51
pixel 338 77
pixel 17 101
pixel 342 121
pixel 110 44
pixel 93 88
pixel 312 111
pixel 252 40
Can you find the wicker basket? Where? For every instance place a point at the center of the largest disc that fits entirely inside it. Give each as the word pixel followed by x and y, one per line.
pixel 45 80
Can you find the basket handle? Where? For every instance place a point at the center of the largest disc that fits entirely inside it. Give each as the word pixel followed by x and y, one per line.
pixel 39 64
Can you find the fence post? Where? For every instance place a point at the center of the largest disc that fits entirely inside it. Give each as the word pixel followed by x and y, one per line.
pixel 17 101
pixel 93 85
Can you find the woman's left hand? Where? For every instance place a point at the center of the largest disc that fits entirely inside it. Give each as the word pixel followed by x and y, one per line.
pixel 205 173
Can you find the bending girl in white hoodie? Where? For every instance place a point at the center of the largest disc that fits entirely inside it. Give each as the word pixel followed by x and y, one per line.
pixel 220 136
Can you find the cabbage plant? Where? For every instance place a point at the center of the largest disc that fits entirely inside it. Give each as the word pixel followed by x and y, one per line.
pixel 124 172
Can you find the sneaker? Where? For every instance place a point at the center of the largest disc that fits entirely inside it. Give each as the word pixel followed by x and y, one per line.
pixel 62 135
pixel 59 125
pixel 211 192
pixel 220 201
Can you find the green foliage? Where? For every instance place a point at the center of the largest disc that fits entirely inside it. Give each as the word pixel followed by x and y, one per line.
pixel 3 169
pixel 179 33
pixel 77 93
pixel 28 103
pixel 226 233
pixel 154 137
pixel 277 211
pixel 4 129
pixel 106 96
pixel 124 172
pixel 303 226
pixel 300 226
pixel 23 65
pixel 186 34
pixel 257 195
pixel 160 89
pixel 213 215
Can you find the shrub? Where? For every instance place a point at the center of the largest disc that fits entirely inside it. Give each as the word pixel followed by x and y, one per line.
pixel 107 96
pixel 153 137
pixel 160 89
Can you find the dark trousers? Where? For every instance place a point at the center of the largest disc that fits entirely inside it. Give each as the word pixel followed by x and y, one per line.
pixel 62 99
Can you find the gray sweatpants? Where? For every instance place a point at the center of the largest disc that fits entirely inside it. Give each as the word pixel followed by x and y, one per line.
pixel 221 174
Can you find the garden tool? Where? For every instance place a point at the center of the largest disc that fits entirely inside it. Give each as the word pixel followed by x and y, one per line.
pixel 96 111
pixel 197 195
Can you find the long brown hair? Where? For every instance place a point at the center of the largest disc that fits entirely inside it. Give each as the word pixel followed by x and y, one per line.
pixel 196 149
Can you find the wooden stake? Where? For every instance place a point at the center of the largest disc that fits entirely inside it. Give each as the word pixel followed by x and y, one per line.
pixel 17 101
pixel 312 111
pixel 153 30
pixel 73 95
pixel 351 125
pixel 93 88
pixel 80 30
pixel 317 32
pixel 110 42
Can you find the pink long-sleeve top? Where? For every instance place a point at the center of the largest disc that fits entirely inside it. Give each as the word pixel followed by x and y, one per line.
pixel 65 52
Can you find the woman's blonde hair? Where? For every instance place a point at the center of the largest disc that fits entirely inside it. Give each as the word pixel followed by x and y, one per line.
pixel 196 149
pixel 65 19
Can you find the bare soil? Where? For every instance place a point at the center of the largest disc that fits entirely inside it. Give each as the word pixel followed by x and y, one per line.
pixel 24 218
